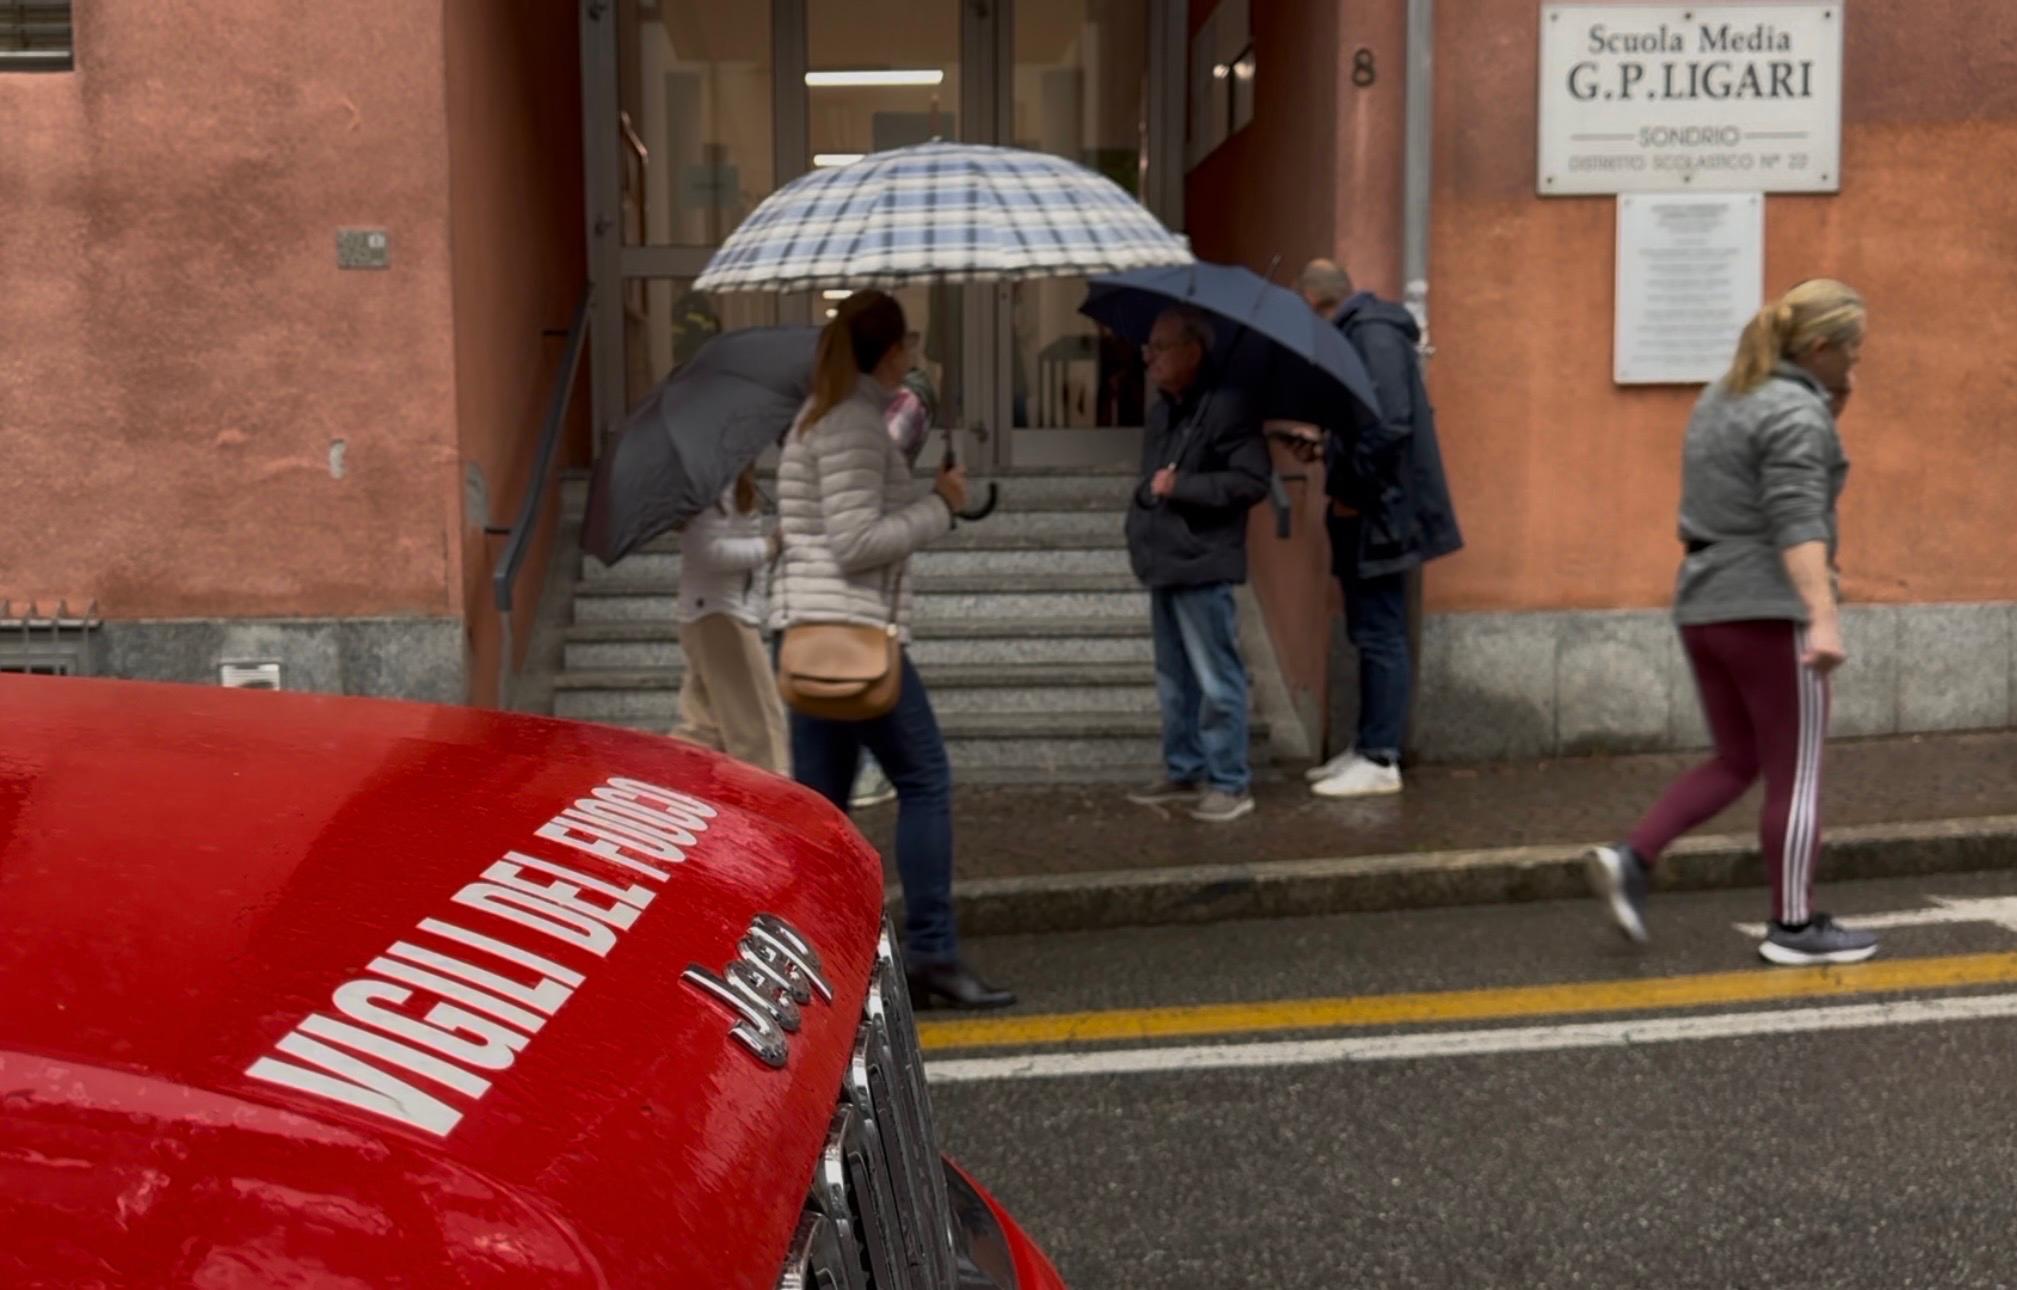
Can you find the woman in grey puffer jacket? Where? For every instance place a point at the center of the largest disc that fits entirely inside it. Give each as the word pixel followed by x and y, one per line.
pixel 850 520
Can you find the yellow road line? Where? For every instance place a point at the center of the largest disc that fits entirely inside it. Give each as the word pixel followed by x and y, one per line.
pixel 1564 999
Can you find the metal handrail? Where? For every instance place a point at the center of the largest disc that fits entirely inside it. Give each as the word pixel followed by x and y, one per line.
pixel 519 538
pixel 635 146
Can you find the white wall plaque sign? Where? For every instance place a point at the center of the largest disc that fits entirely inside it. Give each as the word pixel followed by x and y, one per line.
pixel 1734 97
pixel 1691 273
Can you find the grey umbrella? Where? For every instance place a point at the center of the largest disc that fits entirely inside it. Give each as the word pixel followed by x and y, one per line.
pixel 694 434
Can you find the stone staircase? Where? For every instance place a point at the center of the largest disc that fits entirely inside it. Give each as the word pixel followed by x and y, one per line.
pixel 1029 628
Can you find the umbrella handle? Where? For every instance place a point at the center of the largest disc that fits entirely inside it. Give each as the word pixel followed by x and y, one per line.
pixel 986 508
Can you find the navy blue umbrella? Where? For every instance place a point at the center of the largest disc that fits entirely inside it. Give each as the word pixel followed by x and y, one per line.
pixel 1250 307
pixel 693 434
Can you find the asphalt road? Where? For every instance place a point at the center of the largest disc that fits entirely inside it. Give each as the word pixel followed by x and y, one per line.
pixel 1358 1147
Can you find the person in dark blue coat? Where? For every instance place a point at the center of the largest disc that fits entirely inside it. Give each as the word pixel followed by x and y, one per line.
pixel 1204 468
pixel 1389 514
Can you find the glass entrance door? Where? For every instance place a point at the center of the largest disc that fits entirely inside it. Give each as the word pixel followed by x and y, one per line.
pixel 1080 89
pixel 695 110
pixel 884 74
pixel 695 88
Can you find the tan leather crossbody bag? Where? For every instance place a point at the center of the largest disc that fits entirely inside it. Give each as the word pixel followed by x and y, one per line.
pixel 842 671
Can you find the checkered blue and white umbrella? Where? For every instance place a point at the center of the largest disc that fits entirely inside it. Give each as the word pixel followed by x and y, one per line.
pixel 941 212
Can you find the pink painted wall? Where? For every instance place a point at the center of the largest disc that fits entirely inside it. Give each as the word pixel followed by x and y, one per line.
pixel 180 350
pixel 515 185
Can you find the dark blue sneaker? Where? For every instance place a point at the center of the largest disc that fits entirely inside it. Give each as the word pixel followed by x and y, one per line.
pixel 1618 876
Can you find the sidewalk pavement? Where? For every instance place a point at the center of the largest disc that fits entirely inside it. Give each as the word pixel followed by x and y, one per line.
pixel 1067 858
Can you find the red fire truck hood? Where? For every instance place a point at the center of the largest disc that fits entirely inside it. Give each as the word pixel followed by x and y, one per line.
pixel 300 990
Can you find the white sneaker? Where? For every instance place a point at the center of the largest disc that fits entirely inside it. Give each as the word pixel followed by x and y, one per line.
pixel 1333 766
pixel 1360 778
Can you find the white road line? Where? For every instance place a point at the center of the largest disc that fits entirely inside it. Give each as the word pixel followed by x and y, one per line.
pixel 1472 1043
pixel 2001 910
pixel 1883 922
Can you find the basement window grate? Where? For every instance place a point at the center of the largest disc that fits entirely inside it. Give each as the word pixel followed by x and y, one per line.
pixel 33 643
pixel 48 665
pixel 36 36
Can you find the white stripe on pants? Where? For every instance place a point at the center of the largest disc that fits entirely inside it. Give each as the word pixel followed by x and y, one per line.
pixel 1803 820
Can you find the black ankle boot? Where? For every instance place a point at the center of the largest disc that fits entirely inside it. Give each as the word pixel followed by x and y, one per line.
pixel 954 985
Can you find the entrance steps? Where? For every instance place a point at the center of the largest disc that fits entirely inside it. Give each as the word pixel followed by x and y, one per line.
pixel 1029 629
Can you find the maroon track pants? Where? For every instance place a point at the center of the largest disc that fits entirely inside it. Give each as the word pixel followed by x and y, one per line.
pixel 1768 715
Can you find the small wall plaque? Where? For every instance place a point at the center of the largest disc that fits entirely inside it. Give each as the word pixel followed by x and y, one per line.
pixel 249 675
pixel 363 248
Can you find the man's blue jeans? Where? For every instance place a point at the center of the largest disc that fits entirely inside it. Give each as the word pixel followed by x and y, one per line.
pixel 1201 683
pixel 1376 623
pixel 908 746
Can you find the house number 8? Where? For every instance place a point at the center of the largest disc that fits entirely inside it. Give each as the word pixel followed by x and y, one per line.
pixel 1363 72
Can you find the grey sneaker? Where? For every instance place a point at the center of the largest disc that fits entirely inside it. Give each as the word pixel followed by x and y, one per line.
pixel 871 788
pixel 1165 790
pixel 1822 940
pixel 1618 876
pixel 1216 807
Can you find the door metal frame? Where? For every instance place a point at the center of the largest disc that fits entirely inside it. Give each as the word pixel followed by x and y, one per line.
pixel 987 112
pixel 1168 90
pixel 662 261
pixel 602 182
pixel 790 126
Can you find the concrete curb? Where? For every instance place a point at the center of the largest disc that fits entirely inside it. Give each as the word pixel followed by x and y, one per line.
pixel 1369 884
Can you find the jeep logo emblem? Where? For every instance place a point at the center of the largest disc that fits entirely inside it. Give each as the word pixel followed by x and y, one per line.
pixel 774 974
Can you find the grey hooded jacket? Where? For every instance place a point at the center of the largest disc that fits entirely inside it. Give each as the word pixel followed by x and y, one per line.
pixel 1389 466
pixel 1761 472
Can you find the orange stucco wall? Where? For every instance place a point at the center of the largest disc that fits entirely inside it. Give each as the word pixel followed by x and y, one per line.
pixel 514 126
pixel 179 353
pixel 1567 484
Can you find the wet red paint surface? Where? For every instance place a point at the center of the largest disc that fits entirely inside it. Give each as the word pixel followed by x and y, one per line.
pixel 188 877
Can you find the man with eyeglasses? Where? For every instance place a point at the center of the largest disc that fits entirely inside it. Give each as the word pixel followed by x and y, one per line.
pixel 1204 467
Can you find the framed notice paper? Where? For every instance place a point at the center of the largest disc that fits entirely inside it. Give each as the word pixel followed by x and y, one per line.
pixel 1691 273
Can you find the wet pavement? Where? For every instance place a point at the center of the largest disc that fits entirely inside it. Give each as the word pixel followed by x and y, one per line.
pixel 1879 1156
pixel 1006 832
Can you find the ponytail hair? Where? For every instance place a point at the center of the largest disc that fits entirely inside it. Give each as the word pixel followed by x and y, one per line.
pixel 745 490
pixel 1817 310
pixel 863 330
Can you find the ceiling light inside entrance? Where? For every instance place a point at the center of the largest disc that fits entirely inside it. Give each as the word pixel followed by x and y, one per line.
pixel 876 78
pixel 826 159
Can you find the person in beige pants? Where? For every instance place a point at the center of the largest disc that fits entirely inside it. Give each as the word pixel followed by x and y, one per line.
pixel 729 701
